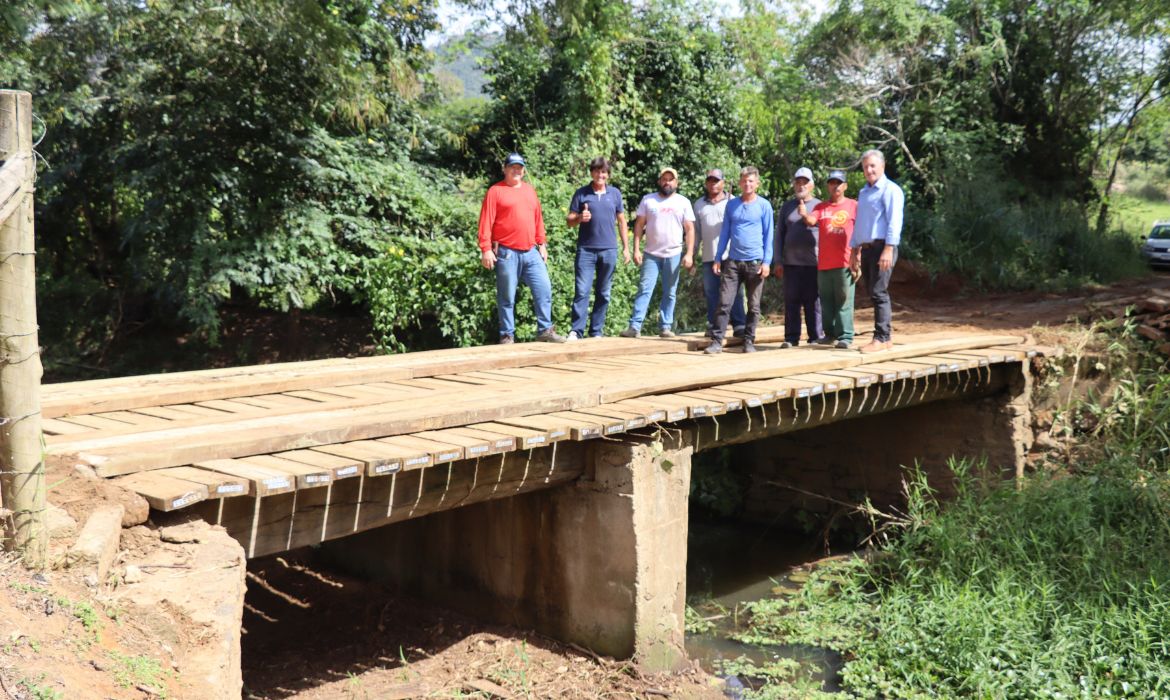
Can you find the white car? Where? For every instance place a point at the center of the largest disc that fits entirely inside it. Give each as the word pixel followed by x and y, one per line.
pixel 1156 247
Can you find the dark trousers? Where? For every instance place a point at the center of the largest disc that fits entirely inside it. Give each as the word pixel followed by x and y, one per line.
pixel 732 274
pixel 800 294
pixel 878 283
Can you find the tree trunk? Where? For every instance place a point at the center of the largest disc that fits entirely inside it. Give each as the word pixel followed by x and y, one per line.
pixel 22 468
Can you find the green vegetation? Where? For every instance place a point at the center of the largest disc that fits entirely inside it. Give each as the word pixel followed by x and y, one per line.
pixel 312 154
pixel 35 690
pixel 131 671
pixel 1052 587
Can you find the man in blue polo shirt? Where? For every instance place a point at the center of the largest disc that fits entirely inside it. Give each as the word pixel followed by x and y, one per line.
pixel 747 235
pixel 597 210
pixel 876 236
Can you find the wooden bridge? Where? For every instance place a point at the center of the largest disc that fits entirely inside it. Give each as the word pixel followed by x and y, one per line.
pixel 294 454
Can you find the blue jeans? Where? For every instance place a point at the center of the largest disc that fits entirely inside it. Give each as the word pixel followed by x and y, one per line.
pixel 656 269
pixel 594 268
pixel 711 292
pixel 522 266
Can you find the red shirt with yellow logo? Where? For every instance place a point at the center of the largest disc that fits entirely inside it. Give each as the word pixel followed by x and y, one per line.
pixel 835 222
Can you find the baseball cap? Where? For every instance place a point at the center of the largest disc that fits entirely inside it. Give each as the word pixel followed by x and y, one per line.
pixel 514 159
pixel 715 173
pixel 664 171
pixel 805 173
pixel 837 175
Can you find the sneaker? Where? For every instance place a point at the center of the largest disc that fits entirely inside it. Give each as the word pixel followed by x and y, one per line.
pixel 572 337
pixel 823 340
pixel 665 333
pixel 550 336
pixel 785 345
pixel 506 340
pixel 714 348
pixel 630 332
pixel 841 345
pixel 749 345
pixel 737 332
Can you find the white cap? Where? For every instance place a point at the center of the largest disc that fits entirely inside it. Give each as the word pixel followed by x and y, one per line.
pixel 805 173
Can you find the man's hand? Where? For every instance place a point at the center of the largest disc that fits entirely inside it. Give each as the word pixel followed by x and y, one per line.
pixel 586 215
pixel 715 268
pixel 688 261
pixel 765 270
pixel 543 252
pixel 886 261
pixel 637 257
pixel 855 272
pixel 626 255
pixel 488 259
pixel 855 258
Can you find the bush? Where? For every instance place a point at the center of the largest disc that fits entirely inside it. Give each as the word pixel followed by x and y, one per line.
pixel 986 230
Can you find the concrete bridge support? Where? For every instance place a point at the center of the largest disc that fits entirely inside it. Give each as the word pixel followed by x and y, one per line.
pixel 599 562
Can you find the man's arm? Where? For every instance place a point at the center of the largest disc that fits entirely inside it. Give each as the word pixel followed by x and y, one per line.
pixel 487 216
pixel 639 226
pixel 624 234
pixel 894 201
pixel 767 224
pixel 688 244
pixel 724 237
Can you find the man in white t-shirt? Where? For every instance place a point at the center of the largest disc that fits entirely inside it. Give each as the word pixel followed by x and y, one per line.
pixel 668 222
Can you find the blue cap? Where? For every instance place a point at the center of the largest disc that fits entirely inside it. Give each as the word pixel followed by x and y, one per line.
pixel 838 175
pixel 514 159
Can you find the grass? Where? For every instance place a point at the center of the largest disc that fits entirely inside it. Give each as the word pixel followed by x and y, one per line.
pixel 132 671
pixel 1057 587
pixel 1137 215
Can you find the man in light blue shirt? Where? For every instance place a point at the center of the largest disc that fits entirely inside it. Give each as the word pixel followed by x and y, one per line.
pixel 876 237
pixel 747 238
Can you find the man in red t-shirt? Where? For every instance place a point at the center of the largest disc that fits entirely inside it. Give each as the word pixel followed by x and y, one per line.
pixel 836 280
pixel 511 241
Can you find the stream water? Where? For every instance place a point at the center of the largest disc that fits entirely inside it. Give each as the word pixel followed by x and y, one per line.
pixel 730 564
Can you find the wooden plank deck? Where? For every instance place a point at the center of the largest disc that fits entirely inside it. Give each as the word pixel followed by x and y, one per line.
pixel 333 426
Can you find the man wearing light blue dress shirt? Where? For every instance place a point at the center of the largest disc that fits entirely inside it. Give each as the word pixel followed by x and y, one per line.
pixel 876 236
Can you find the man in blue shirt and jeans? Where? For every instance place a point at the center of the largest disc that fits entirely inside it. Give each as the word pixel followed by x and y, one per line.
pixel 747 234
pixel 595 209
pixel 876 236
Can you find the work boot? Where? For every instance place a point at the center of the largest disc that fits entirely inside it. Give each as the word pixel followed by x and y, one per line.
pixel 506 340
pixel 714 348
pixel 630 332
pixel 665 333
pixel 785 345
pixel 749 345
pixel 550 336
pixel 823 340
pixel 841 345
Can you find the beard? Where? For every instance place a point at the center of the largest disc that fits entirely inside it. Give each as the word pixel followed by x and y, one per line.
pixel 666 190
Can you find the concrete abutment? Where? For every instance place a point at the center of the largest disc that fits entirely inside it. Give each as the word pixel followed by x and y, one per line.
pixel 599 562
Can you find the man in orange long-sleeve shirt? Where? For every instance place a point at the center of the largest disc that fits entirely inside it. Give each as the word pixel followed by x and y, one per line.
pixel 511 241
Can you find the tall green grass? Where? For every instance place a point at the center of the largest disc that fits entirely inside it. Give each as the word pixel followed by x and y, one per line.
pixel 1058 587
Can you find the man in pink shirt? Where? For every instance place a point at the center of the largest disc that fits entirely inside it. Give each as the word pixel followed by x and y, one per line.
pixel 511 241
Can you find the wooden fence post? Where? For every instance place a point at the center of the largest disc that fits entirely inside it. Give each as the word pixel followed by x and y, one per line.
pixel 22 467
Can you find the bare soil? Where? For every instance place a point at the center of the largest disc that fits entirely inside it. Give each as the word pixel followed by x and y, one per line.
pixel 315 634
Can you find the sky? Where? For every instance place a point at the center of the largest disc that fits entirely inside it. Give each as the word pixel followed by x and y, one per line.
pixel 456 19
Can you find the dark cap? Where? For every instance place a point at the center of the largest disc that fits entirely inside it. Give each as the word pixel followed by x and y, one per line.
pixel 514 159
pixel 838 175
